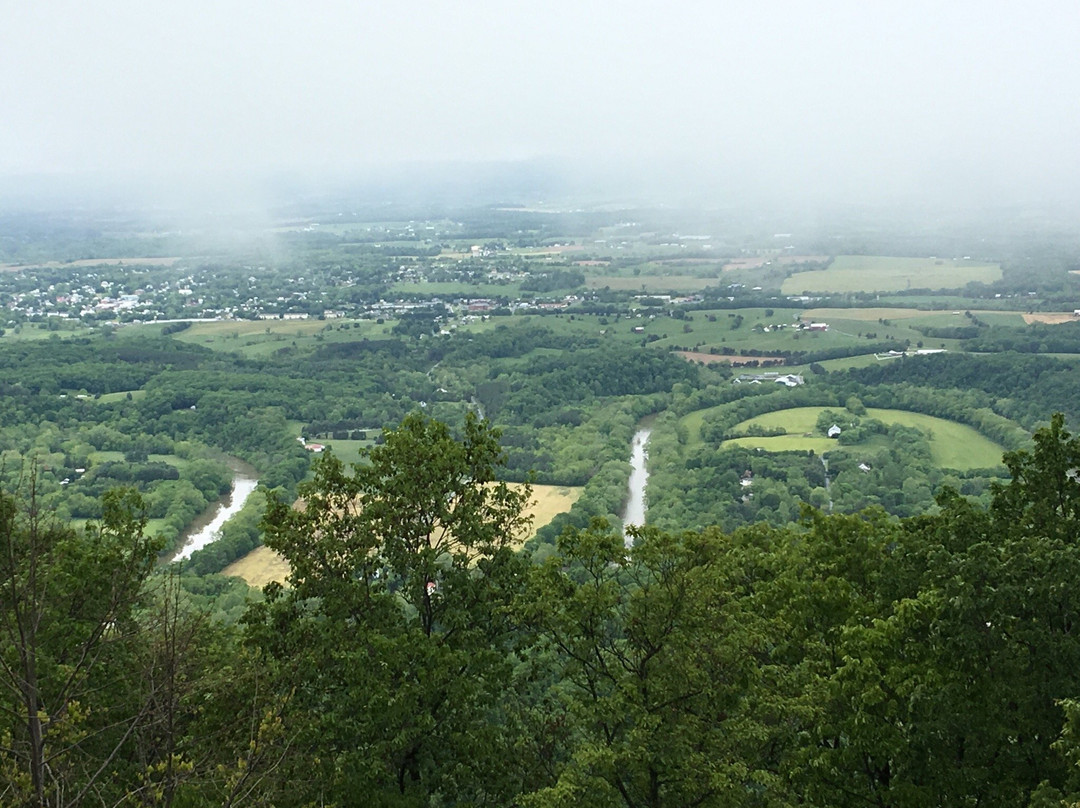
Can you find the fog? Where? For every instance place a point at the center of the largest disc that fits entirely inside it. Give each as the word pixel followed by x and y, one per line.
pixel 965 103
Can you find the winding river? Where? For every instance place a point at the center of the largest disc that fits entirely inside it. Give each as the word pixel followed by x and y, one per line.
pixel 205 529
pixel 634 514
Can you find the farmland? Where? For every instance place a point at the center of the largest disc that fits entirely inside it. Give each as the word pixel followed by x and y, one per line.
pixel 857 273
pixel 262 565
pixel 952 445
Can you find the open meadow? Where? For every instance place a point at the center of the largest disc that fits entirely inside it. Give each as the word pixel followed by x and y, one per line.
pixel 261 338
pixel 876 273
pixel 952 445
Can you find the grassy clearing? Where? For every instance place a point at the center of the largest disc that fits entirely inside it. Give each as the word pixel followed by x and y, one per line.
pixel 261 338
pixel 107 398
pixel 784 443
pixel 952 445
pixel 348 451
pixel 262 565
pixel 876 273
pixel 839 364
pixel 172 460
pixel 34 332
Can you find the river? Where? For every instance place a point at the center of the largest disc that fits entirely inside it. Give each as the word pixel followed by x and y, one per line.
pixel 634 514
pixel 205 528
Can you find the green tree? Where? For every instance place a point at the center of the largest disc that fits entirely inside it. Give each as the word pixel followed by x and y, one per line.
pixel 67 627
pixel 658 667
pixel 392 635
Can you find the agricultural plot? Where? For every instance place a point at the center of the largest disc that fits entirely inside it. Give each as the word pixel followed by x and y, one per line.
pixel 262 565
pixel 952 445
pixel 744 329
pixel 858 273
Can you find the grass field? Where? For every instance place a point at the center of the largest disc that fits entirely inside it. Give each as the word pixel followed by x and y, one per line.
pixel 39 331
pixel 952 445
pixel 107 398
pixel 260 338
pixel 875 273
pixel 785 443
pixel 262 565
pixel 919 317
pixel 348 451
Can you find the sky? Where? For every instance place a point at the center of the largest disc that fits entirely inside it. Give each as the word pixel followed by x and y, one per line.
pixel 838 99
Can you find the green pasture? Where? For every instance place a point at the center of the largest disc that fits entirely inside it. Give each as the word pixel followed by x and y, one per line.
pixel 877 273
pixel 261 338
pixel 34 332
pixel 108 398
pixel 347 451
pixel 785 443
pixel 571 323
pixel 949 303
pixel 172 460
pixel 952 445
pixel 860 361
pixel 716 328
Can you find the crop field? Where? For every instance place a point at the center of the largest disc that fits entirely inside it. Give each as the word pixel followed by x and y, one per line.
pixel 952 445
pixel 262 565
pixel 259 567
pixel 1051 317
pixel 875 273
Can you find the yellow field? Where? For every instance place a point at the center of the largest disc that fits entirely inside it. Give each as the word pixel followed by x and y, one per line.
pixel 262 565
pixel 548 502
pixel 259 567
pixel 1051 317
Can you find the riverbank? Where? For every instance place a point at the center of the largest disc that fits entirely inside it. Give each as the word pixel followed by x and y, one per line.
pixel 636 502
pixel 206 526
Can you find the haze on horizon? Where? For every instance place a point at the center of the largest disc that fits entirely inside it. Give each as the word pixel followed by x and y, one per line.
pixel 967 102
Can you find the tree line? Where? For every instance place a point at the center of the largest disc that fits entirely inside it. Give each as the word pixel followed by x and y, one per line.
pixel 416 659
